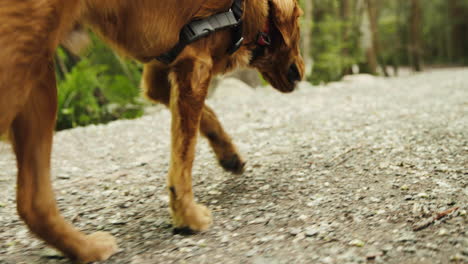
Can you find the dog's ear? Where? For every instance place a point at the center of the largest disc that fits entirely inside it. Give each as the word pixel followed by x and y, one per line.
pixel 281 12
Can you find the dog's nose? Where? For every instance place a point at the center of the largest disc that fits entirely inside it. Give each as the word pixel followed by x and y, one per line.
pixel 293 74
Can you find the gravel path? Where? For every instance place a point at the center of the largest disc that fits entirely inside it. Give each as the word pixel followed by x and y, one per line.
pixel 336 174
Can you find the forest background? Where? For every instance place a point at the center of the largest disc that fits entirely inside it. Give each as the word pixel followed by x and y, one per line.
pixel 339 37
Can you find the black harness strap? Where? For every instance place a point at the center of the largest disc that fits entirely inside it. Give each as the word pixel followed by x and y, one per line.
pixel 238 30
pixel 201 28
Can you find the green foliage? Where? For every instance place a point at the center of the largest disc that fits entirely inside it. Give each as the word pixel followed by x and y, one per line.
pixel 435 30
pixel 100 88
pixel 334 50
pixel 341 29
pixel 326 50
pixel 77 104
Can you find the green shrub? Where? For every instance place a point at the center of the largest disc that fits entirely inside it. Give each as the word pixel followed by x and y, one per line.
pixel 329 60
pixel 100 88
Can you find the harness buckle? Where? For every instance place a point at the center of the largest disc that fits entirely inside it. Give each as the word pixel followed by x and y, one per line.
pixel 236 46
pixel 196 30
pixel 201 28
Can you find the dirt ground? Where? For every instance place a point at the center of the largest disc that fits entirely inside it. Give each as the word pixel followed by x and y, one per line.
pixel 336 174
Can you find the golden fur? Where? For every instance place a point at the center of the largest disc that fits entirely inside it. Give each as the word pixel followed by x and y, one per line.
pixel 30 31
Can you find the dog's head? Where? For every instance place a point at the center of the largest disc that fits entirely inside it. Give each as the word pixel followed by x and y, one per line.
pixel 280 62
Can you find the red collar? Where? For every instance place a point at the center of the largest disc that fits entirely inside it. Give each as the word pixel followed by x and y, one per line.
pixel 263 37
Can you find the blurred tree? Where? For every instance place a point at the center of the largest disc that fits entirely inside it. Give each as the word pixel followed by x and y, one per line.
pixel 458 11
pixel 415 47
pixel 373 48
pixel 345 12
pixel 306 35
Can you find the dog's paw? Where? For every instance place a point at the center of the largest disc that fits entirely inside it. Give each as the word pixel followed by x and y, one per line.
pixel 101 246
pixel 194 217
pixel 234 164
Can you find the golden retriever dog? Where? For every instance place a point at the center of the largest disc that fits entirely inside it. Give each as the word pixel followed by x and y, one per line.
pixel 31 30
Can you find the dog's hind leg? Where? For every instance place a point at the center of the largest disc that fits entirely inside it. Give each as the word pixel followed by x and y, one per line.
pixel 32 132
pixel 157 88
pixel 221 142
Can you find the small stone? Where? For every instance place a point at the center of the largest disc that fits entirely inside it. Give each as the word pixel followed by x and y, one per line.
pixel 311 231
pixel 404 187
pixel 251 252
pixel 373 254
pixel 266 239
pixel 384 165
pixel 126 205
pixel 258 221
pixel 294 231
pixel 137 260
pixel 443 232
pixel 465 252
pixel 409 249
pixel 408 237
pixel 380 212
pixel 423 195
pixel 408 197
pixel 457 258
pixel 186 249
pixel 147 235
pixel 264 260
pixel 299 237
pixel 51 253
pixel 327 260
pixel 432 246
pixel 356 243
pixel 280 238
pixel 302 217
pixel 387 248
pixel 118 222
pixel 225 239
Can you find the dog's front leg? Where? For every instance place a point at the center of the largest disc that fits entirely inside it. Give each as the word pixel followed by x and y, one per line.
pixel 190 79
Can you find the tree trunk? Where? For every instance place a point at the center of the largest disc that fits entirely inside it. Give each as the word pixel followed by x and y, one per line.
pixel 369 37
pixel 401 36
pixel 306 36
pixel 415 35
pixel 458 30
pixel 346 20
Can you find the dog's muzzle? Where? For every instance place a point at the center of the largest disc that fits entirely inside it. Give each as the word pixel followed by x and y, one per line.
pixel 293 74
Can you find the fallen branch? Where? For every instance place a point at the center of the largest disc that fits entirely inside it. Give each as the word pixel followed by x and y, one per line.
pixel 341 155
pixel 427 222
